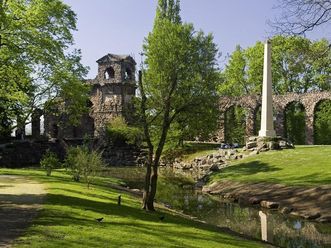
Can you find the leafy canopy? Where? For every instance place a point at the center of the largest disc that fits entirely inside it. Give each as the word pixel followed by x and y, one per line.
pixel 178 88
pixel 36 61
pixel 298 65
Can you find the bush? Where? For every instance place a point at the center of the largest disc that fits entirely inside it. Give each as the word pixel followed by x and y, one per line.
pixel 49 162
pixel 83 163
pixel 120 133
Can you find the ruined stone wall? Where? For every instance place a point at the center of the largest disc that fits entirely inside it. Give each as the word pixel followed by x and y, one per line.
pixel 111 95
pixel 251 103
pixel 27 153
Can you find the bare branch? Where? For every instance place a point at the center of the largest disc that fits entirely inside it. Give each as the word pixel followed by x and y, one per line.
pixel 301 16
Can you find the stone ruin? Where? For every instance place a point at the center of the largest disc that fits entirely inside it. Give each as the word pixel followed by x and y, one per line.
pixel 111 95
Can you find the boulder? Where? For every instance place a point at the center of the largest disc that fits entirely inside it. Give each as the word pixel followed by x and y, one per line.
pixel 254 200
pixel 269 204
pixel 286 210
pixel 282 144
pixel 251 144
pixel 214 168
pixel 252 138
pixel 272 145
pixel 312 215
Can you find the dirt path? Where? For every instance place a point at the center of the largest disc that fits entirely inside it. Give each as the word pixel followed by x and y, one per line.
pixel 307 202
pixel 20 200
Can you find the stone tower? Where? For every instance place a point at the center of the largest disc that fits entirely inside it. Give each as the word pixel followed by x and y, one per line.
pixel 112 89
pixel 111 95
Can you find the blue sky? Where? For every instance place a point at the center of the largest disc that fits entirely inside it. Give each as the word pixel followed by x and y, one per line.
pixel 119 26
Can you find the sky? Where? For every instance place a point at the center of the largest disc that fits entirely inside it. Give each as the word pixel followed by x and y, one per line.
pixel 119 26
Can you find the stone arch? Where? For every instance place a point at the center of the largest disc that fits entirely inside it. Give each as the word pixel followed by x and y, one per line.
pixel 54 130
pixel 109 73
pixel 36 123
pixel 235 119
pixel 294 124
pixel 322 122
pixel 128 74
pixel 257 119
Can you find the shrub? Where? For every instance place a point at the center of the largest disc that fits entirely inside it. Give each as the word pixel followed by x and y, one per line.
pixel 49 162
pixel 83 163
pixel 120 133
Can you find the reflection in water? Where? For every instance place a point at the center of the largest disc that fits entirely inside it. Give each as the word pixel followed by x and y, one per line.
pixel 266 230
pixel 268 225
pixel 297 225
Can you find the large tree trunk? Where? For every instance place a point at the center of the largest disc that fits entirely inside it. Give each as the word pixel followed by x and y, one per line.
pixel 146 193
pixel 154 159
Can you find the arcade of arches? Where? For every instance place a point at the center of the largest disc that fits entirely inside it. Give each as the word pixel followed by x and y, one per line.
pixel 296 117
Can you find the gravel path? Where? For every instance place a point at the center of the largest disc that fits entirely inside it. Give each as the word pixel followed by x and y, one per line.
pixel 20 200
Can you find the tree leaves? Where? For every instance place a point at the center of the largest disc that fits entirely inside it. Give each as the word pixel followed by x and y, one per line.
pixel 35 64
pixel 298 65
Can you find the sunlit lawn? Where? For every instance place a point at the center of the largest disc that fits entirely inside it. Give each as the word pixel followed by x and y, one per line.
pixel 70 210
pixel 304 165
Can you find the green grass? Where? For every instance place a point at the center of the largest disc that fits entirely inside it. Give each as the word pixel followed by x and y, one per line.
pixel 302 166
pixel 70 209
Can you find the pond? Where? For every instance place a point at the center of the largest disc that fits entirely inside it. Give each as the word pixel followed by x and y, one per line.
pixel 178 192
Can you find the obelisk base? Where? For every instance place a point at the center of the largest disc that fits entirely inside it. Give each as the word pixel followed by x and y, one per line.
pixel 267 133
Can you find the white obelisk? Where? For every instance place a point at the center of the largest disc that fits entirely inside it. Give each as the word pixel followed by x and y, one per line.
pixel 267 122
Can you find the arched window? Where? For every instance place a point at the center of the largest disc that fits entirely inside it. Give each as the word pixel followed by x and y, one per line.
pixel 55 131
pixel 128 74
pixel 109 73
pixel 294 123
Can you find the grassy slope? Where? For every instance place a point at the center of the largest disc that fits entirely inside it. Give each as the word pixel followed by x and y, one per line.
pixel 68 219
pixel 305 165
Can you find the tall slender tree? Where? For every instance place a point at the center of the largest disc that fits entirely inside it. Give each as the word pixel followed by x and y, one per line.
pixel 179 83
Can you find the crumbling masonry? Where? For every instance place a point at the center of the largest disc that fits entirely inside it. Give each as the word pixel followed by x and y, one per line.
pixel 111 95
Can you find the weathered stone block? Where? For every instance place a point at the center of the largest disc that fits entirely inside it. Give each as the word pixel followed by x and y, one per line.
pixel 269 204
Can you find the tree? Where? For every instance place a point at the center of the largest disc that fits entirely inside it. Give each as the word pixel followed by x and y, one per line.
pixel 322 123
pixel 298 65
pixel 301 16
pixel 235 74
pixel 235 122
pixel 178 84
pixel 295 124
pixel 35 63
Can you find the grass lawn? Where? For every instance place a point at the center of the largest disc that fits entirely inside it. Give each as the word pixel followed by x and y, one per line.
pixel 302 166
pixel 70 210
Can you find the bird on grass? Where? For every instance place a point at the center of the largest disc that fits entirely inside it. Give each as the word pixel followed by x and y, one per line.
pixel 161 217
pixel 99 219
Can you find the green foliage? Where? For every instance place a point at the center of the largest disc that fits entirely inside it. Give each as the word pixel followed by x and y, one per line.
pixel 120 133
pixel 295 123
pixel 49 162
pixel 298 65
pixel 177 89
pixel 169 9
pixel 36 63
pixel 82 162
pixel 183 76
pixel 322 123
pixel 234 124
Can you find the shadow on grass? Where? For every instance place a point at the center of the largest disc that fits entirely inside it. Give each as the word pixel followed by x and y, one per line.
pixel 249 168
pixel 131 219
pixel 310 180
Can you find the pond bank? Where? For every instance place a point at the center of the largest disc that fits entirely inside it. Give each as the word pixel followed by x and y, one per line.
pixel 312 203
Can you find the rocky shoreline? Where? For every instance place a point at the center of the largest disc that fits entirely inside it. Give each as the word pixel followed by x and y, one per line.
pixel 312 203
